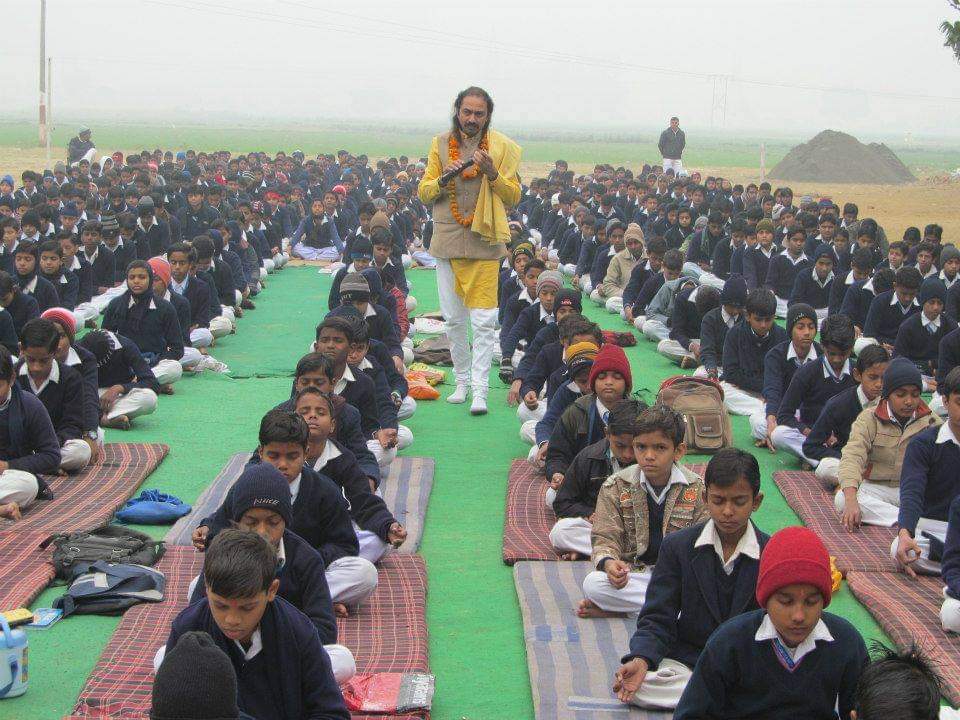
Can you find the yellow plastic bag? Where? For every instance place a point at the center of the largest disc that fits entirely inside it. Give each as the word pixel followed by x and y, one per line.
pixel 835 575
pixel 428 374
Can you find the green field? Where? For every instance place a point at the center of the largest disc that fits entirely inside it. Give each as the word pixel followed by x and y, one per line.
pixel 705 149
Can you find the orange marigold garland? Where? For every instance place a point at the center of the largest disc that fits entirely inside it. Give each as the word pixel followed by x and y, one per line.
pixel 453 151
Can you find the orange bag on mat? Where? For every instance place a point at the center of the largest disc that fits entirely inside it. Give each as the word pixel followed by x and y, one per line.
pixel 419 388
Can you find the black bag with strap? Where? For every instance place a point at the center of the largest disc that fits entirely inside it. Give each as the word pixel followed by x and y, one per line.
pixel 110 543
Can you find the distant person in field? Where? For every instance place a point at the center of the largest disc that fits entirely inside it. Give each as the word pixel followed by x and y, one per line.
pixel 81 147
pixel 672 142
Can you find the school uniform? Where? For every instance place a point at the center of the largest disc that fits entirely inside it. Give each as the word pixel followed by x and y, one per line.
pixel 285 673
pixel 779 365
pixel 693 591
pixel 588 253
pixel 123 254
pixel 125 366
pixel 928 483
pixel 835 420
pixel 158 336
pixel 62 395
pixel 756 262
pixel 638 276
pixel 23 308
pixel 9 337
pixel 195 222
pixel 576 499
pixel 563 398
pixel 684 326
pixel 745 671
pixel 153 240
pixel 810 289
pixel 41 290
pixel 29 445
pixel 782 274
pixel 721 262
pixel 919 338
pixel 743 362
pixel 660 309
pixel 950 609
pixel 316 239
pixel 548 361
pixel 647 292
pixel 884 318
pixel 700 250
pixel 358 389
pixel 713 332
pixel 809 390
pixel 383 394
pixel 516 304
pixel 530 321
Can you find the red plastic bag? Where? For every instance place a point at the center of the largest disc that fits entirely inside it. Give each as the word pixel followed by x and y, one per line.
pixel 389 693
pixel 623 339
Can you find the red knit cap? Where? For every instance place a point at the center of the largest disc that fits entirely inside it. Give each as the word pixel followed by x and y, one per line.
pixel 611 357
pixel 62 316
pixel 794 555
pixel 161 269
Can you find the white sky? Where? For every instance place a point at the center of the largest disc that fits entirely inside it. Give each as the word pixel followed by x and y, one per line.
pixel 546 62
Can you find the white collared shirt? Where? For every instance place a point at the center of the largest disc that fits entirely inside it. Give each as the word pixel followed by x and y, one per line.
pixel 347 377
pixel 826 280
pixel 256 645
pixel 729 320
pixel 767 631
pixel 75 265
pixel 371 310
pixel 894 300
pixel 330 451
pixel 295 488
pixel 928 324
pixel 676 478
pixel 794 261
pixel 829 373
pixel 53 377
pixel 946 434
pixel 747 545
pixel 525 295
pixel 946 281
pixel 792 354
pixel 72 358
pixel 153 222
pixel 545 316
pixel 179 288
pixel 31 286
pixel 153 305
pixel 692 297
pixel 861 396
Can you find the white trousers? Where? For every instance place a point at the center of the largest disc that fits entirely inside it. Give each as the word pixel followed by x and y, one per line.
pixel 528 433
pixel 662 688
pixel 532 454
pixel 782 307
pixel 572 535
pixel 408 406
pixel 597 297
pixel 411 303
pixel 758 423
pixel 168 372
pixel 424 258
pixel 629 599
pixel 879 504
pixel 549 497
pixel 828 472
pixel 310 253
pixel 937 528
pixel 741 402
pixel 708 278
pixel 384 456
pixel 862 343
pixel 949 613
pixel 675 165
pixel 372 548
pixel 201 337
pixel 655 331
pixel 525 414
pixel 17 486
pixel 790 440
pixel 474 371
pixel 586 284
pixel 75 455
pixel 351 580
pixel 614 304
pixel 84 312
pixel 191 356
pixel 673 351
pixel 638 322
pixel 937 406
pixel 139 401
pixel 568 269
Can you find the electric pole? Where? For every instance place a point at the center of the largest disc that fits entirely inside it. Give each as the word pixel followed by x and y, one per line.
pixel 43 72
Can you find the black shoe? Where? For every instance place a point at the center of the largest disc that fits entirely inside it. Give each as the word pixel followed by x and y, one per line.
pixel 247 304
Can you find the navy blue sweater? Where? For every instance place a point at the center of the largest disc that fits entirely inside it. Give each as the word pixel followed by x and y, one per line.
pixel 62 399
pixel 547 362
pixel 291 677
pixel 739 677
pixel 127 367
pixel 547 335
pixel 809 390
pixel 835 419
pixel 638 277
pixel 686 320
pixel 386 409
pixel 66 285
pixel 44 293
pixel 361 393
pixel 856 302
pixel 8 333
pixel 929 479
pixel 577 496
pixel 22 308
pixel 755 266
pixel 526 327
pixel 515 305
pixel 950 566
pixel 778 372
pixel 28 441
pixel 713 334
pixel 809 291
pixel 782 274
pixel 883 319
pixel 683 606
pixel 949 355
pixel 919 345
pixel 743 354
pixel 104 268
pixel 197 293
pixel 649 289
pixel 158 335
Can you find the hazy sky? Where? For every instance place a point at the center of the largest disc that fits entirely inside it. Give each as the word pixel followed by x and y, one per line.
pixel 546 62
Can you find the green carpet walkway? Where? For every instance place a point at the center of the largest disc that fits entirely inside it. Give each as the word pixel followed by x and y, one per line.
pixel 476 635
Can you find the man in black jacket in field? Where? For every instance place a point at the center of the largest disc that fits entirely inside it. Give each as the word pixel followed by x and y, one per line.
pixel 672 142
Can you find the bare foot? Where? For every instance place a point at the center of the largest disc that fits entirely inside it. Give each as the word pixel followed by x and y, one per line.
pixel 166 389
pixel 203 351
pixel 588 609
pixel 10 510
pixel 118 423
pixel 571 556
pixel 340 610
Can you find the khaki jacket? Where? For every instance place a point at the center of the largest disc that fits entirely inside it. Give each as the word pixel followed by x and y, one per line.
pixel 877 446
pixel 618 274
pixel 621 523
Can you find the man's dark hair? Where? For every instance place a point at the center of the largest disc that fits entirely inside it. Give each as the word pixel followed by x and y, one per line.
pixel 901 685
pixel 6 364
pixel 283 426
pixel 656 246
pixel 660 418
pixel 870 356
pixel 51 246
pixel 951 383
pixel 673 260
pixel 837 331
pixel 708 297
pixel 239 564
pixel 40 333
pixel 578 325
pixel 338 322
pixel 204 247
pixel 731 464
pixel 182 247
pixel 862 259
pixel 332 405
pixel 472 91
pixel 761 302
pixel 623 417
pixel 536 264
pixel 315 362
pixel 927 246
pixel 381 236
pixel 908 277
pixel 883 280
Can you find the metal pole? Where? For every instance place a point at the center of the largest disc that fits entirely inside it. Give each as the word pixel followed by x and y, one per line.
pixel 43 62
pixel 49 105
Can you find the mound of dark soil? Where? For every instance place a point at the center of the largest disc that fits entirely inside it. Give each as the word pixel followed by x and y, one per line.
pixel 837 157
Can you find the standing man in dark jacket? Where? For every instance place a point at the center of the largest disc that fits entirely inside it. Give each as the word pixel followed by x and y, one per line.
pixel 672 142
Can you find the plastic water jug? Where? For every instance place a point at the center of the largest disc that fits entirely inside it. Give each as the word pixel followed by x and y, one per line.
pixel 13 661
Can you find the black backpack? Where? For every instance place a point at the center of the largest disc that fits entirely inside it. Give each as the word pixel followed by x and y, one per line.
pixel 110 588
pixel 110 543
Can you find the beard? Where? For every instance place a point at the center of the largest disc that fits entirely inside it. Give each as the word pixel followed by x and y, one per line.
pixel 470 129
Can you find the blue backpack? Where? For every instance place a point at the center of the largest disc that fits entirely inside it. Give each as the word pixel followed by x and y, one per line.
pixel 153 507
pixel 108 589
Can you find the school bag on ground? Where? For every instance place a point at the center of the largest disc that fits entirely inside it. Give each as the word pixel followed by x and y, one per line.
pixel 110 543
pixel 700 401
pixel 110 588
pixel 153 507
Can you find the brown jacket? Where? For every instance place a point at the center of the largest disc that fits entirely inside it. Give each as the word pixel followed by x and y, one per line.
pixel 621 526
pixel 618 274
pixel 877 445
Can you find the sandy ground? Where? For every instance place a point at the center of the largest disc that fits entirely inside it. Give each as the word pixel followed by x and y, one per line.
pixel 896 207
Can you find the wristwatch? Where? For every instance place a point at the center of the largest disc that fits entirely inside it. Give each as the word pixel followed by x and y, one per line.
pixel 90 435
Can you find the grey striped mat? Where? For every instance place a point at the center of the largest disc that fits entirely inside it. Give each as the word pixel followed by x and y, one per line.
pixel 208 502
pixel 571 661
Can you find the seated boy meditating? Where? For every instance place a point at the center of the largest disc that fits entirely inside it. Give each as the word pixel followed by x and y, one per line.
pixel 636 508
pixel 872 459
pixel 705 575
pixel 903 685
pixel 788 660
pixel 576 499
pixel 282 669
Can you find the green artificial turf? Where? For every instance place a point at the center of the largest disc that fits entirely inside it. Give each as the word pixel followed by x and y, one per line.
pixel 476 634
